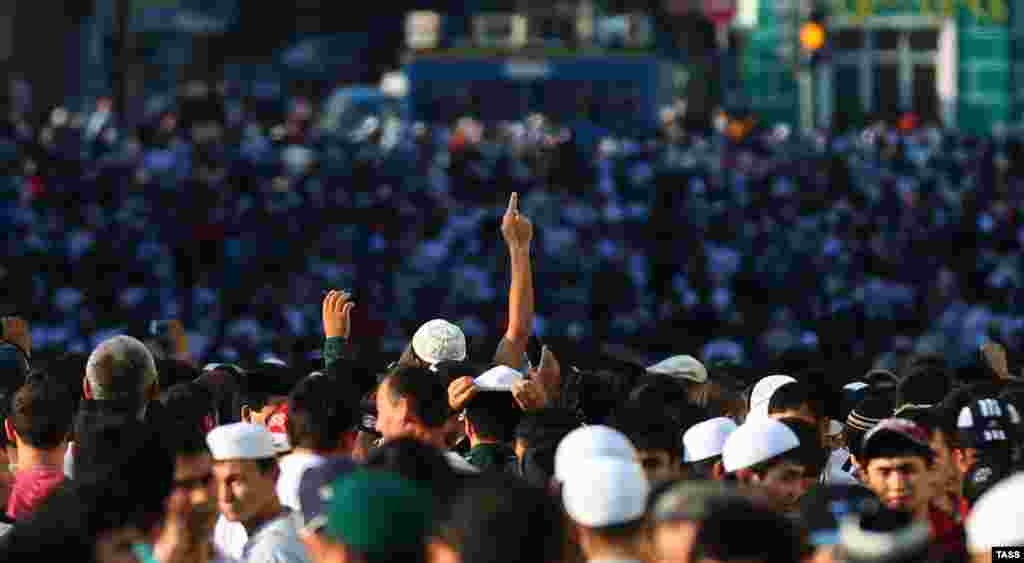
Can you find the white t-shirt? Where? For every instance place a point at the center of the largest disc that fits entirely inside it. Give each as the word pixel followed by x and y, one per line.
pixel 229 539
pixel 277 541
pixel 292 467
pixel 840 469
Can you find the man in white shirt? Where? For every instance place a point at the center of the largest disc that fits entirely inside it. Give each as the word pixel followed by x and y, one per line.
pixel 245 472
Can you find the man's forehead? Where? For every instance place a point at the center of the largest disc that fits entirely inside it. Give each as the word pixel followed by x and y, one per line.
pixel 894 462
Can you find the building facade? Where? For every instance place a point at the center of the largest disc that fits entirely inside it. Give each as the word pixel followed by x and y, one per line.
pixel 954 62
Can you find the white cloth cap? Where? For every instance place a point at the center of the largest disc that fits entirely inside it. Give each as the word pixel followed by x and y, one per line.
pixel 605 492
pixel 438 341
pixel 707 439
pixel 757 441
pixel 241 440
pixel 763 391
pixel 589 442
pixel 498 378
pixel 683 367
pixel 997 519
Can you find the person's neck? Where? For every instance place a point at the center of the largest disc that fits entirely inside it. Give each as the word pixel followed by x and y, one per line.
pixel 924 513
pixel 30 457
pixel 273 510
pixel 607 551
pixel 430 436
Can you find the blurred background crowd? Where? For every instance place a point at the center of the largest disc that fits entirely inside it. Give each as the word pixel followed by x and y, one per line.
pixel 233 215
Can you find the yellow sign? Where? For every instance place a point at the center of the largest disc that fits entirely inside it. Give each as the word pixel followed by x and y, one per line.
pixel 990 11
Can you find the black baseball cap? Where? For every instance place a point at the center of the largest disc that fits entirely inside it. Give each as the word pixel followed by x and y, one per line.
pixel 315 490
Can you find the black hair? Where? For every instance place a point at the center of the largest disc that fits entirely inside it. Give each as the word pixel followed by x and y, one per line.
pixel 420 463
pixel 321 409
pixel 703 469
pixel 190 403
pixel 810 453
pixel 648 427
pixel 186 440
pixel 924 380
pixel 487 523
pixel 716 537
pixel 68 369
pixel 794 396
pixel 428 398
pixel 175 372
pixel 494 415
pixel 41 413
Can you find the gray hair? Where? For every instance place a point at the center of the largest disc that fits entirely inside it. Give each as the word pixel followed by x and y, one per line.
pixel 121 367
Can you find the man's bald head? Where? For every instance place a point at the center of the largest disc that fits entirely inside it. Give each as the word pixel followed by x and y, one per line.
pixel 121 368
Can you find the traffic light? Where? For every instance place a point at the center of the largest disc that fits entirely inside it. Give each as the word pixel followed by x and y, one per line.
pixel 814 36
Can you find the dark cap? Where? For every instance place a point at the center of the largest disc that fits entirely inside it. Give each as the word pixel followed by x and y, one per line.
pixel 895 435
pixel 882 535
pixel 822 508
pixel 988 422
pixel 315 489
pixel 378 514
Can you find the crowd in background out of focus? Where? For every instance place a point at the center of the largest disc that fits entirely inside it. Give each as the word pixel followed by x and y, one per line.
pixel 233 219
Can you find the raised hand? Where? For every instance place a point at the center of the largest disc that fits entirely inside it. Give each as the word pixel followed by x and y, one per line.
pixel 460 391
pixel 337 313
pixel 529 395
pixel 516 228
pixel 548 374
pixel 995 354
pixel 16 331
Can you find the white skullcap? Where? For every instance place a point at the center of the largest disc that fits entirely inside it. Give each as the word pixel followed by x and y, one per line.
pixel 588 442
pixel 997 519
pixel 707 439
pixel 607 491
pixel 683 367
pixel 498 378
pixel 763 391
pixel 438 341
pixel 757 441
pixel 241 440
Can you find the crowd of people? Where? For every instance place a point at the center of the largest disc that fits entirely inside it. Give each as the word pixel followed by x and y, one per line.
pixel 231 217
pixel 137 453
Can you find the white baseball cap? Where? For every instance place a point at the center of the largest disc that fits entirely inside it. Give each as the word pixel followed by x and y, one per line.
pixel 498 378
pixel 589 442
pixel 607 491
pixel 438 341
pixel 707 439
pixel 997 519
pixel 762 393
pixel 682 367
pixel 241 440
pixel 757 441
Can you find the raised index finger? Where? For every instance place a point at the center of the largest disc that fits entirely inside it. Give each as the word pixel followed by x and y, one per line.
pixel 513 203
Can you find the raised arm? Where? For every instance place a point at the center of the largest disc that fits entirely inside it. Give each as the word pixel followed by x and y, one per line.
pixel 337 317
pixel 518 233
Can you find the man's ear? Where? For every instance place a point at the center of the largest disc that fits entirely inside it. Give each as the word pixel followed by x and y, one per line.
pixel 86 389
pixel 246 413
pixel 153 391
pixel 12 436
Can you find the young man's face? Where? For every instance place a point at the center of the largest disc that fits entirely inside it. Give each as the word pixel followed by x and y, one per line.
pixel 902 483
pixel 659 465
pixel 193 500
pixel 243 490
pixel 785 482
